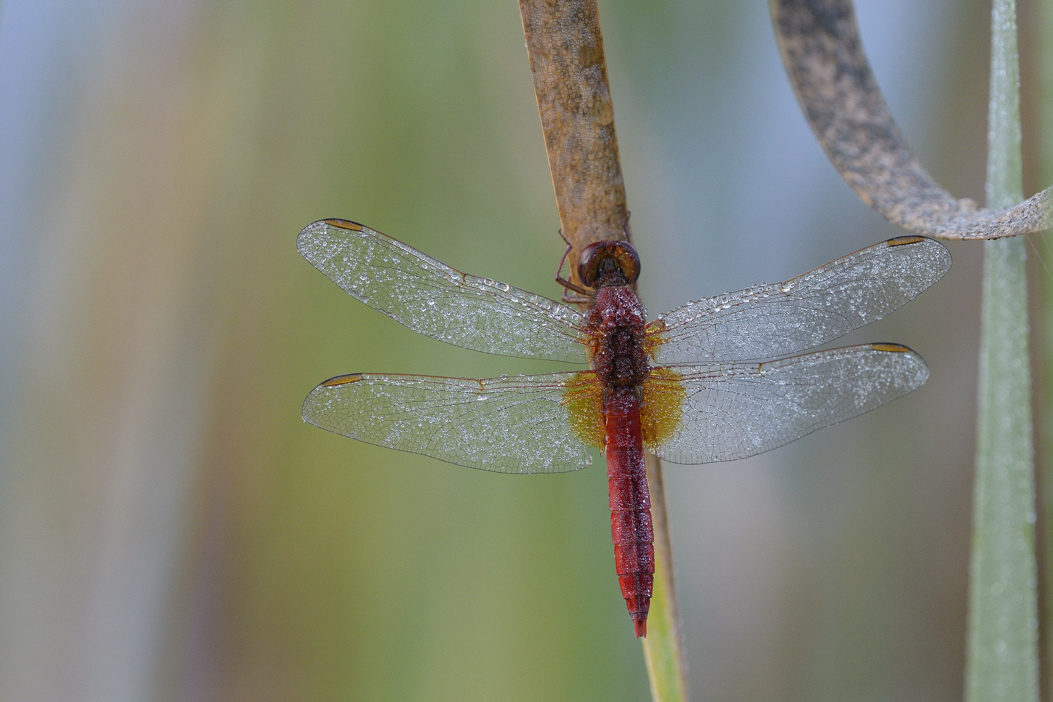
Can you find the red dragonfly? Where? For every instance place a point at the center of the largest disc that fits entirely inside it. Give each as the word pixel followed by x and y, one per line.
pixel 696 385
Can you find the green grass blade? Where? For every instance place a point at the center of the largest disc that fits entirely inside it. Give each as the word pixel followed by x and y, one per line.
pixel 1002 656
pixel 1044 52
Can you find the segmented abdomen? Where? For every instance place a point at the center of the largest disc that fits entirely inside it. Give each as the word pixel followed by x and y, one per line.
pixel 630 503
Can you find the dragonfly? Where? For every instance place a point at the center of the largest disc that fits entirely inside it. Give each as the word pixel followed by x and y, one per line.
pixel 721 378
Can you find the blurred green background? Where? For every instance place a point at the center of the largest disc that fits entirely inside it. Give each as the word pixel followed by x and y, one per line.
pixel 170 529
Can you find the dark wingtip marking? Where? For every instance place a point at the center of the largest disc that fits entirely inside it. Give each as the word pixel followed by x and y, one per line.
pixel 904 240
pixel 891 348
pixel 344 224
pixel 343 380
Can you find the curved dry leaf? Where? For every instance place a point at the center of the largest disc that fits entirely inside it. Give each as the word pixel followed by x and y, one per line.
pixel 822 52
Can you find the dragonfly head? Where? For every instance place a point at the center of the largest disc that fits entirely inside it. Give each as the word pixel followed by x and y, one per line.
pixel 607 263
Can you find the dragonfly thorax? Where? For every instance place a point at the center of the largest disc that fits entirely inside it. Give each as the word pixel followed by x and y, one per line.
pixel 617 321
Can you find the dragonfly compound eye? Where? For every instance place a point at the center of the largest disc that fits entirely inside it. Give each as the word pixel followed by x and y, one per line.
pixel 608 263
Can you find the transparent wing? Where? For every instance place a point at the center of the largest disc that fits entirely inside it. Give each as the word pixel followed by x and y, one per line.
pixel 782 318
pixel 518 424
pixel 734 410
pixel 434 299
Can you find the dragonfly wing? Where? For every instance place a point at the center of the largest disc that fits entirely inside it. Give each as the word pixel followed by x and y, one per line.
pixel 434 299
pixel 518 424
pixel 783 318
pixel 734 410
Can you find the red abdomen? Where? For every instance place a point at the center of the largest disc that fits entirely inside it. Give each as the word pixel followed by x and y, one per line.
pixel 630 502
pixel 620 362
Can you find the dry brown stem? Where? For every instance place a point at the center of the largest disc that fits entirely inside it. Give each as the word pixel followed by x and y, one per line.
pixel 565 47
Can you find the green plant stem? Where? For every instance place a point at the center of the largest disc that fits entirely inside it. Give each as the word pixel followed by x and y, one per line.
pixel 1002 657
pixel 663 647
pixel 1043 49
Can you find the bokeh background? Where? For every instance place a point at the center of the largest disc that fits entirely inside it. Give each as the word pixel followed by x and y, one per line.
pixel 171 530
